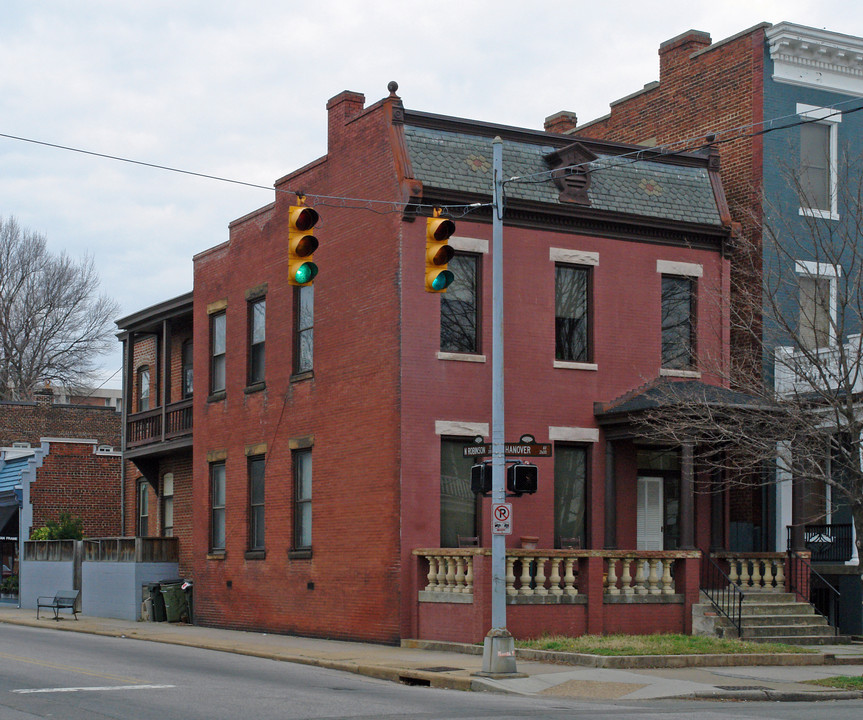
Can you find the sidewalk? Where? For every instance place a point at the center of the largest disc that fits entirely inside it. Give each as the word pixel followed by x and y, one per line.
pixel 451 666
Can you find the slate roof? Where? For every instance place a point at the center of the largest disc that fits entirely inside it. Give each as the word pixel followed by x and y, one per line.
pixel 462 162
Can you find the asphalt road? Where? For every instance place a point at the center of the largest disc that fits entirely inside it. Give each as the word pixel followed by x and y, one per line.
pixel 72 676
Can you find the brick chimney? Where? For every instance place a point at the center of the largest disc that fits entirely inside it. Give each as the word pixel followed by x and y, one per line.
pixel 675 52
pixel 44 397
pixel 564 121
pixel 341 109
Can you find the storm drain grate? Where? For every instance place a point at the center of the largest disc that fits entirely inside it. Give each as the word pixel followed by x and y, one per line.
pixel 440 668
pixel 741 687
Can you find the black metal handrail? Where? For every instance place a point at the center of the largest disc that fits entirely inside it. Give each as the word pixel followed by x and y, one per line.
pixel 725 595
pixel 831 542
pixel 796 578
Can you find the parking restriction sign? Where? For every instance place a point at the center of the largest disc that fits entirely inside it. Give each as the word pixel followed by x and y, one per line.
pixel 501 518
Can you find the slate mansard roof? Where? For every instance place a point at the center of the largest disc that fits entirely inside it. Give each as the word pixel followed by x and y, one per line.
pixel 671 189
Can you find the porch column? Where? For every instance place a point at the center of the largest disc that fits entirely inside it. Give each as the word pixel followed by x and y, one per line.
pixel 687 498
pixel 717 511
pixel 798 490
pixel 610 498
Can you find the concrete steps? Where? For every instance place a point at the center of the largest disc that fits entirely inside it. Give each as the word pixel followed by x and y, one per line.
pixel 771 617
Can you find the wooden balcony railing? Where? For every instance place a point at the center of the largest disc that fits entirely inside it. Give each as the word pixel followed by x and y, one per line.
pixel 160 424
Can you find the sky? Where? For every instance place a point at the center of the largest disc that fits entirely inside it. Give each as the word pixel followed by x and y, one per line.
pixel 239 91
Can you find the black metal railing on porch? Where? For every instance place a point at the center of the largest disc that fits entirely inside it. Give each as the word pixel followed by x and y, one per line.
pixel 725 595
pixel 811 587
pixel 832 542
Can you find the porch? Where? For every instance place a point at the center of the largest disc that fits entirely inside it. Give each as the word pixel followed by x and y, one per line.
pixel 597 592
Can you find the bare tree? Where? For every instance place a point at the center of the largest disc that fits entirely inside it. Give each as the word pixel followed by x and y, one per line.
pixel 795 410
pixel 53 324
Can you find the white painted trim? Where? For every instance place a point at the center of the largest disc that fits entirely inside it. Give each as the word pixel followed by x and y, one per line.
pixel 573 257
pixel 671 267
pixel 825 116
pixel 461 357
pixel 68 441
pixel 671 372
pixel 466 244
pixel 816 269
pixel 565 365
pixel 460 428
pixel 572 434
pixel 821 114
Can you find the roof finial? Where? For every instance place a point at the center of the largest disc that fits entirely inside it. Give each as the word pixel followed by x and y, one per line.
pixel 392 86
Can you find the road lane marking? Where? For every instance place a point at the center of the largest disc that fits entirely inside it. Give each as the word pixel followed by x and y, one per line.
pixel 70 668
pixel 30 691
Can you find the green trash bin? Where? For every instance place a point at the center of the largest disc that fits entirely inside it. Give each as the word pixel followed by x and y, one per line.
pixel 157 602
pixel 176 606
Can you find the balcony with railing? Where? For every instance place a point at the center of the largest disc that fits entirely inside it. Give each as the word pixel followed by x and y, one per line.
pixel 171 423
pixel 829 543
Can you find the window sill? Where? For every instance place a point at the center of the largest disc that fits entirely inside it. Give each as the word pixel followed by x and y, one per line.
pixel 565 365
pixel 822 214
pixel 255 387
pixel 299 377
pixel 668 372
pixel 217 396
pixel 216 555
pixel 300 554
pixel 461 357
pixel 256 555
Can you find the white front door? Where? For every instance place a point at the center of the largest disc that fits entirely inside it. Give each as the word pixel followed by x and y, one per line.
pixel 649 514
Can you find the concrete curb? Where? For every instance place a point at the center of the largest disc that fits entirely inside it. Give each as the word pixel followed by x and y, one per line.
pixel 644 662
pixel 776 695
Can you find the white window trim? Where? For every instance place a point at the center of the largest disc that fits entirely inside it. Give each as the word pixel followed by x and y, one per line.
pixel 470 245
pixel 572 434
pixel 460 357
pixel 671 267
pixel 460 428
pixel 830 117
pixel 809 269
pixel 573 257
pixel 566 365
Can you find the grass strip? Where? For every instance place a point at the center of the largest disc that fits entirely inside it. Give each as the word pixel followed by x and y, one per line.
pixel 842 682
pixel 669 644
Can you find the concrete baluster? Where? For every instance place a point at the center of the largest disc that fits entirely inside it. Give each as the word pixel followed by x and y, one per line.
pixel 554 578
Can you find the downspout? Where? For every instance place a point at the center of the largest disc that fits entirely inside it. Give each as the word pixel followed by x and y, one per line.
pixel 123 413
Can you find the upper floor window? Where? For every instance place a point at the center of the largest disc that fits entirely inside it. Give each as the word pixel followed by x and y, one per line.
pixel 818 161
pixel 459 307
pixel 572 291
pixel 257 338
pixel 186 360
pixel 143 388
pixel 678 322
pixel 816 284
pixel 304 316
pixel 218 344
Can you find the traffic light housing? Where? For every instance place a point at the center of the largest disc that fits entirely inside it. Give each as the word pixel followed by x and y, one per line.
pixel 480 478
pixel 438 253
pixel 302 243
pixel 521 478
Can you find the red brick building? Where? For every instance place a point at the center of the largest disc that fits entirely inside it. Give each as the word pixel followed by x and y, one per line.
pixel 329 491
pixel 57 458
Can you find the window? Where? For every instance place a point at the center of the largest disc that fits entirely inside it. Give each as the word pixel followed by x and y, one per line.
pixel 217 506
pixel 168 505
pixel 256 503
pixel 678 322
pixel 459 307
pixel 816 284
pixel 572 313
pixel 818 161
pixel 570 481
pixel 302 461
pixel 304 302
pixel 458 514
pixel 143 388
pixel 186 361
pixel 257 337
pixel 143 529
pixel 217 349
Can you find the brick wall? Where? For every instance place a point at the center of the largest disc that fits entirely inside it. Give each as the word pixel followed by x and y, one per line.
pixel 31 421
pixel 74 479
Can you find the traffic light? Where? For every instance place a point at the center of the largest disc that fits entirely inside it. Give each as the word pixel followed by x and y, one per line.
pixel 480 478
pixel 302 243
pixel 438 253
pixel 521 478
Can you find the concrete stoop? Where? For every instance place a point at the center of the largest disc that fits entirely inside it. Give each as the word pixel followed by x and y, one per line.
pixel 768 617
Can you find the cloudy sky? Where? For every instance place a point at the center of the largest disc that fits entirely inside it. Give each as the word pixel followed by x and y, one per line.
pixel 238 90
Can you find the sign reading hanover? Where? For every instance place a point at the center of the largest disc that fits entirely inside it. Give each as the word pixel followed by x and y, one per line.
pixel 525 447
pixel 501 518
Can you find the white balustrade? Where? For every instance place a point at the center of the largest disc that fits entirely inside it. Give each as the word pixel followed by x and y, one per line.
pixel 758 572
pixel 450 573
